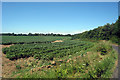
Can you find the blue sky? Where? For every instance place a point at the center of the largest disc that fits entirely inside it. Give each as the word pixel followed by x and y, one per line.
pixel 56 17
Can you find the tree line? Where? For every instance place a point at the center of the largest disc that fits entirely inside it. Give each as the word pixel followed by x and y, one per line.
pixel 31 34
pixel 106 32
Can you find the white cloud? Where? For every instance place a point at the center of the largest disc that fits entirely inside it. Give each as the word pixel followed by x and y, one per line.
pixel 61 32
pixel 54 32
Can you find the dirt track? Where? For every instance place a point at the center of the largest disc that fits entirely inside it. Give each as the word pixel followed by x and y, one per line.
pixel 115 73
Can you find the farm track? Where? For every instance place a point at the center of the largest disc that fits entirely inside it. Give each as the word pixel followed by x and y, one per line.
pixel 115 73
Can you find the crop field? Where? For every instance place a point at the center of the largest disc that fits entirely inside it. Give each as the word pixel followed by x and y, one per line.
pixel 46 51
pixel 29 39
pixel 42 57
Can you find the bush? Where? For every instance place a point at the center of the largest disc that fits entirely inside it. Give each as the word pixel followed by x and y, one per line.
pixel 103 49
pixel 18 66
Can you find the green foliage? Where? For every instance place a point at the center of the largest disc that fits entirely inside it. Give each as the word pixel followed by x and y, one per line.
pixel 104 48
pixel 106 32
pixel 18 66
pixel 46 51
pixel 101 69
pixel 69 69
pixel 115 39
pixel 81 67
pixel 6 40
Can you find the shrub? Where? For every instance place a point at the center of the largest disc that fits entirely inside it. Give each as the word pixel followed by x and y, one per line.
pixel 103 49
pixel 18 66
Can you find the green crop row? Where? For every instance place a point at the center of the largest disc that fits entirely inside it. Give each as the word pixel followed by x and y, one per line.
pixel 46 51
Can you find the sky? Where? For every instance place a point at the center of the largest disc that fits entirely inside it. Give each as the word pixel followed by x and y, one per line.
pixel 118 8
pixel 60 0
pixel 56 17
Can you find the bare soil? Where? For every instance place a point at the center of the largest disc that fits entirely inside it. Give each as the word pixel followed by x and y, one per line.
pixel 57 41
pixel 7 65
